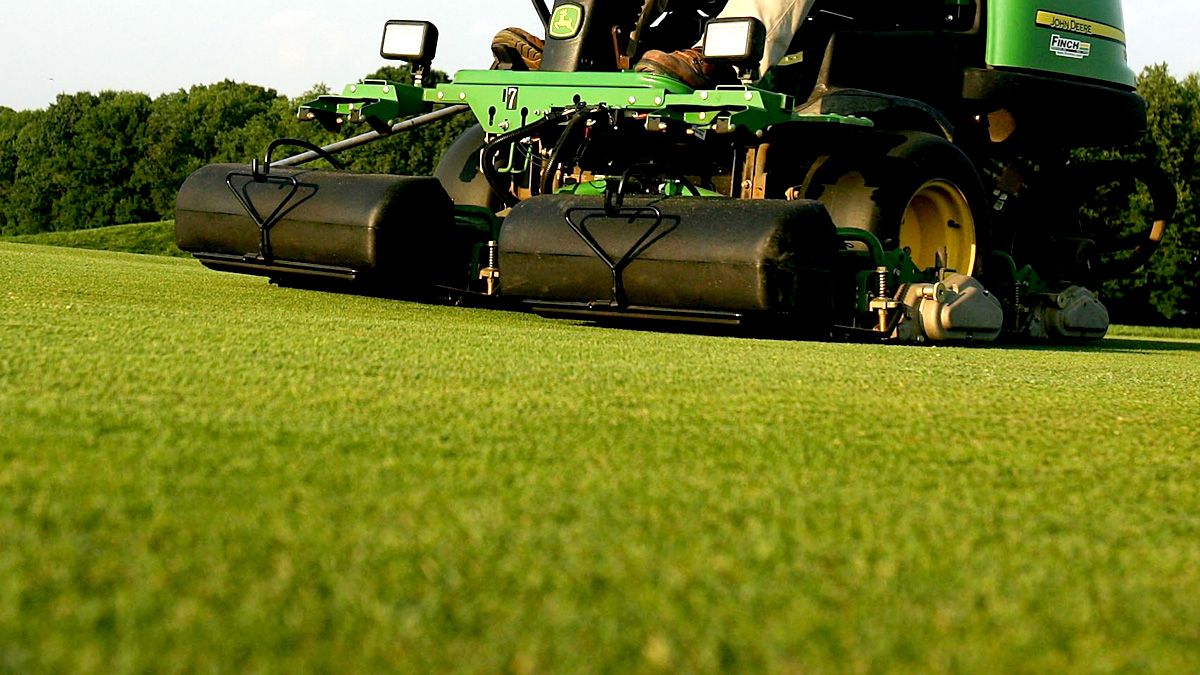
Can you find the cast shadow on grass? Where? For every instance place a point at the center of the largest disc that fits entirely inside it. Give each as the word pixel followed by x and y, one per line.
pixel 1112 345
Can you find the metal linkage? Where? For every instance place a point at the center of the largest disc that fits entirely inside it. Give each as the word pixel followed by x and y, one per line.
pixel 363 139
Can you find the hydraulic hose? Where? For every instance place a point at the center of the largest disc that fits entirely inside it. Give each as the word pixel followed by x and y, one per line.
pixel 490 150
pixel 556 154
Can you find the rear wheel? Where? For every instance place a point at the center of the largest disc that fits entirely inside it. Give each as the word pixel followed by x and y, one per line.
pixel 919 192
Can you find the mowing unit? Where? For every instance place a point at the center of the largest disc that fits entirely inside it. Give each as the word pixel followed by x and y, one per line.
pixel 905 175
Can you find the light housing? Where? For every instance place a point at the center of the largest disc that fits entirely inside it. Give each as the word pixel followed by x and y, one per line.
pixel 739 41
pixel 412 41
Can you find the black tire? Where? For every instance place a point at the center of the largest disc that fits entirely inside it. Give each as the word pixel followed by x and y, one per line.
pixel 902 177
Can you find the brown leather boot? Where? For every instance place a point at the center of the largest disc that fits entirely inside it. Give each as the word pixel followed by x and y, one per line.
pixel 686 65
pixel 519 49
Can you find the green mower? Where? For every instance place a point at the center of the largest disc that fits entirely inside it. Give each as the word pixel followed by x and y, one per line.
pixel 904 175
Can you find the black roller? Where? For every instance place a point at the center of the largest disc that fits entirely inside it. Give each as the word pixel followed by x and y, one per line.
pixel 707 259
pixel 330 224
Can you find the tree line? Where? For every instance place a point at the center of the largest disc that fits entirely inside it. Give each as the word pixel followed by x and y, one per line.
pixel 90 160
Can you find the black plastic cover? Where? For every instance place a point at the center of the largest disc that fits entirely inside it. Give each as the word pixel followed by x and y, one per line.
pixel 704 255
pixel 1046 108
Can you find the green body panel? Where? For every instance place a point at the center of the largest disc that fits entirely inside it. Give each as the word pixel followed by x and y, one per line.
pixel 1090 40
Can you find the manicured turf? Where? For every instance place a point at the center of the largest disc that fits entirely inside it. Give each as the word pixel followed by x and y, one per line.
pixel 201 472
pixel 148 238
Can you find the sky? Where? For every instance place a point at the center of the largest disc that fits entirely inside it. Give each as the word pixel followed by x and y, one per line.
pixel 49 47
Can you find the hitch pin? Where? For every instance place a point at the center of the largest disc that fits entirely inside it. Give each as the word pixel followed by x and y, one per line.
pixel 492 272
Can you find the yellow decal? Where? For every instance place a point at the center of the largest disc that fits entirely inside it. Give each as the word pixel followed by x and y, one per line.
pixel 1074 24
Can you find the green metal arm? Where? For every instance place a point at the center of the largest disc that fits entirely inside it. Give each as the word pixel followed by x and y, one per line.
pixel 503 101
pixel 507 100
pixel 377 102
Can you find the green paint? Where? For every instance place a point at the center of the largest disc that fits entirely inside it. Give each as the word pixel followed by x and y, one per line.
pixel 504 100
pixel 598 187
pixel 366 101
pixel 1015 40
pixel 499 110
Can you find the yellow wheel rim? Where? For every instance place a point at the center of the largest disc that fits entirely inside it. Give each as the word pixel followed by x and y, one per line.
pixel 938 224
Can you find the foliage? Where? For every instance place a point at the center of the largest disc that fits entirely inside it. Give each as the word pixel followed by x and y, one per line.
pixel 73 163
pixel 118 157
pixel 201 472
pixel 1168 288
pixel 1173 279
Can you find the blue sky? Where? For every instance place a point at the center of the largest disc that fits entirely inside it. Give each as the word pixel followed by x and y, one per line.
pixel 57 46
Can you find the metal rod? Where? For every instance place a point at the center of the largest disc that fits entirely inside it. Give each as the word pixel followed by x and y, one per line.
pixel 363 139
pixel 543 12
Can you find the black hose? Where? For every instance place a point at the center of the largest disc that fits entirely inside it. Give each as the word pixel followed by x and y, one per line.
pixel 488 164
pixel 548 174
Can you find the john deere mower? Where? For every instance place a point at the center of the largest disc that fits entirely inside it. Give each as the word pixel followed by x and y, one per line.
pixel 905 175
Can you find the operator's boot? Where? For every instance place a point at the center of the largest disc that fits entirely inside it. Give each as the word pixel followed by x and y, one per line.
pixel 516 49
pixel 686 65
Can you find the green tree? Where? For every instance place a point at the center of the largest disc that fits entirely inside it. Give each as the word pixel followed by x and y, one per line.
pixel 187 129
pixel 108 141
pixel 1168 286
pixel 91 160
pixel 74 162
pixel 12 123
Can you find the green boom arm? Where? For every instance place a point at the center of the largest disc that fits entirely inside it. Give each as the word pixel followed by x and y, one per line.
pixel 503 101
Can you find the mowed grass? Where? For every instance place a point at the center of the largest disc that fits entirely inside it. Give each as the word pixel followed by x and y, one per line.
pixel 147 238
pixel 201 472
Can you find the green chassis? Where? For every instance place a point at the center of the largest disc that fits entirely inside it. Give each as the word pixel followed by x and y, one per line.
pixel 504 101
